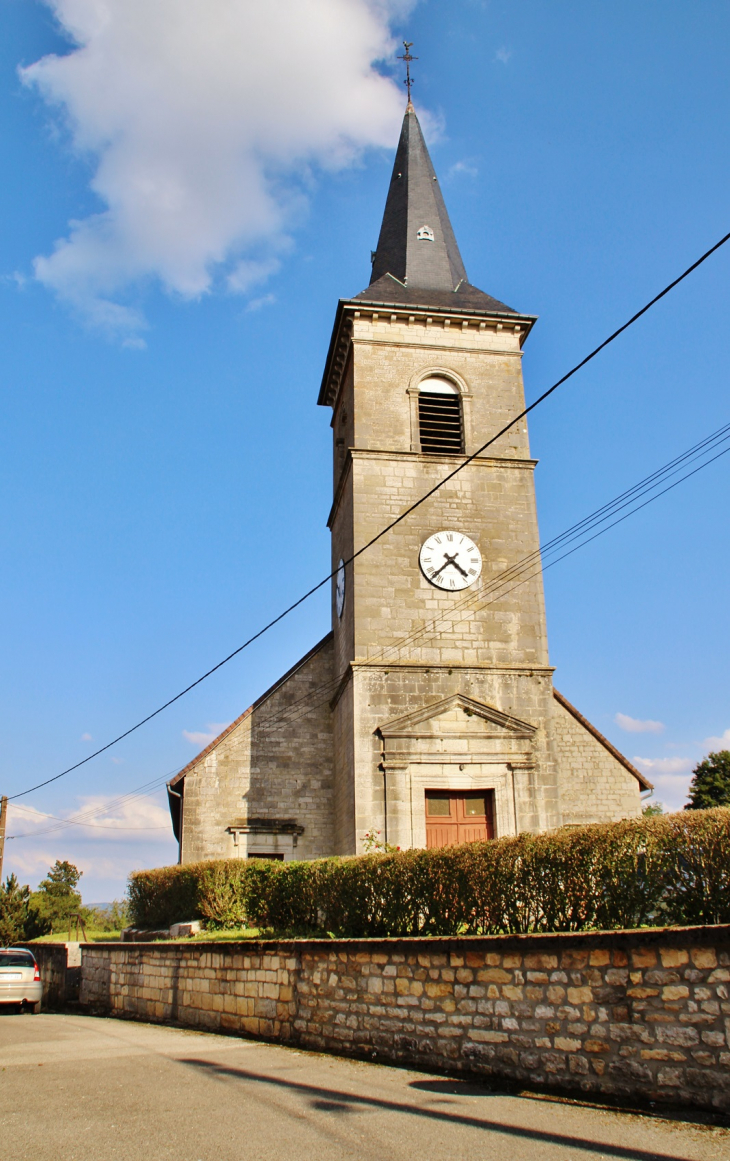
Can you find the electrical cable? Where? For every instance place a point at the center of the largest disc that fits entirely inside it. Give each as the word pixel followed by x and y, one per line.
pixel 300 709
pixel 480 599
pixel 583 526
pixel 407 512
pixel 493 588
pixel 69 822
pixel 80 818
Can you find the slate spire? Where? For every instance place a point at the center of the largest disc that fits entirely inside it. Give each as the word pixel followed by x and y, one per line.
pixel 418 259
pixel 417 244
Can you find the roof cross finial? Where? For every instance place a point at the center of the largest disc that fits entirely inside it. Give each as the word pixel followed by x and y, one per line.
pixel 408 82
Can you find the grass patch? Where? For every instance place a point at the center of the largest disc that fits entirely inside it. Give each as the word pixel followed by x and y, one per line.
pixel 93 937
pixel 222 935
pixel 227 935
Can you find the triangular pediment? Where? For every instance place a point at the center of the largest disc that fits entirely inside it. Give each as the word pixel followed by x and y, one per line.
pixel 456 715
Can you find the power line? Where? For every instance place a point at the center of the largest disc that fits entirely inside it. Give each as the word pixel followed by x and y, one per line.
pixel 388 528
pixel 494 589
pixel 65 823
pixel 80 818
pixel 487 594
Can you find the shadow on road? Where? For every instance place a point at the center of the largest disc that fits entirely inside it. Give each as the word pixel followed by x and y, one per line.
pixel 332 1100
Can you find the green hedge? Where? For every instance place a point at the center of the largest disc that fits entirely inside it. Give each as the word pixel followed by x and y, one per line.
pixel 668 870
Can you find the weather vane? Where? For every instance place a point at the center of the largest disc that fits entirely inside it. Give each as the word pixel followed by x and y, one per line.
pixel 408 82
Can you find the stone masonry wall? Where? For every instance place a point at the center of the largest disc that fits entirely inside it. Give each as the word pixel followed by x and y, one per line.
pixel 594 786
pixel 234 987
pixel 643 1015
pixel 60 968
pixel 274 763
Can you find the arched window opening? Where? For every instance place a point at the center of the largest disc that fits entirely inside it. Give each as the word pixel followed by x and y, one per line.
pixel 439 417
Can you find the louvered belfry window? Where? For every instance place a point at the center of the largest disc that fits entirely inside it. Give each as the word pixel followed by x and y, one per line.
pixel 439 417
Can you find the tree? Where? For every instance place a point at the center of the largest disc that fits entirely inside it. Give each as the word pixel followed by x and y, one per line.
pixel 710 785
pixel 112 917
pixel 652 809
pixel 56 900
pixel 13 912
pixel 118 915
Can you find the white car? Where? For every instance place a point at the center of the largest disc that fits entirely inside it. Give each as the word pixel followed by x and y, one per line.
pixel 20 978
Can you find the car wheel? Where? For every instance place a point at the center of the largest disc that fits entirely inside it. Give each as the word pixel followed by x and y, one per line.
pixel 34 1008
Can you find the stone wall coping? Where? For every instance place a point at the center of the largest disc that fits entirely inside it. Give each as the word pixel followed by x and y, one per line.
pixel 619 937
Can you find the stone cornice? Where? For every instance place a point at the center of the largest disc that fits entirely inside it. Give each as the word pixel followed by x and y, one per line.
pixel 427 666
pixel 354 668
pixel 350 309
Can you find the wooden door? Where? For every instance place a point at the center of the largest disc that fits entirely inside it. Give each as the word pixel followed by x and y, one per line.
pixel 459 816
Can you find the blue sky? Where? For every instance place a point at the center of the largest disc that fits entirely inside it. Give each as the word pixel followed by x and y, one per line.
pixel 161 371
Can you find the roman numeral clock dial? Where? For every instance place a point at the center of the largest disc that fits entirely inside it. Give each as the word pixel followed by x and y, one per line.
pixel 450 561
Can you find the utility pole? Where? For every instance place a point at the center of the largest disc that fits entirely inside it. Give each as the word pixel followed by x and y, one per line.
pixel 3 821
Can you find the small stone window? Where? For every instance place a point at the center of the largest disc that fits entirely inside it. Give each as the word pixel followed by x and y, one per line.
pixel 440 423
pixel 425 234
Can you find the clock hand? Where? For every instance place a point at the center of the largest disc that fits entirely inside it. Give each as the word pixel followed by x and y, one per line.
pixel 452 560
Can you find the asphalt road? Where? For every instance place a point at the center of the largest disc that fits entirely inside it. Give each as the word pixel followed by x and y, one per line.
pixel 78 1087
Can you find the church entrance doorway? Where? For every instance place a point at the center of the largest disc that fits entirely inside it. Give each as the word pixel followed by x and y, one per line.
pixel 459 816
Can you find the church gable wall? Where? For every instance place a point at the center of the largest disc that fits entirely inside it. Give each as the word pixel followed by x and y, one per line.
pixel 275 764
pixel 594 786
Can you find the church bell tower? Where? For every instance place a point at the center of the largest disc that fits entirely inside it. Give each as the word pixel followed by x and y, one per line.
pixel 442 712
pixel 428 714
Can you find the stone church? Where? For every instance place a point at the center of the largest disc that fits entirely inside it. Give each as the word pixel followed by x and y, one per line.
pixel 428 713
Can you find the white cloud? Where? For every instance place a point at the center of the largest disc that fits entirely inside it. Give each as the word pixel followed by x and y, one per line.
pixel 86 738
pixel 25 817
pixel 143 812
pixel 257 303
pixel 638 726
pixel 666 767
pixel 671 778
pixel 503 54
pixel 205 737
pixel 203 121
pixel 462 169
pixel 721 743
pixel 28 864
pixel 248 272
pixel 126 835
pixel 16 279
pixel 109 817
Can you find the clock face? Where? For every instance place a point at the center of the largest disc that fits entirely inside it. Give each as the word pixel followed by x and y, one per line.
pixel 340 588
pixel 450 561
